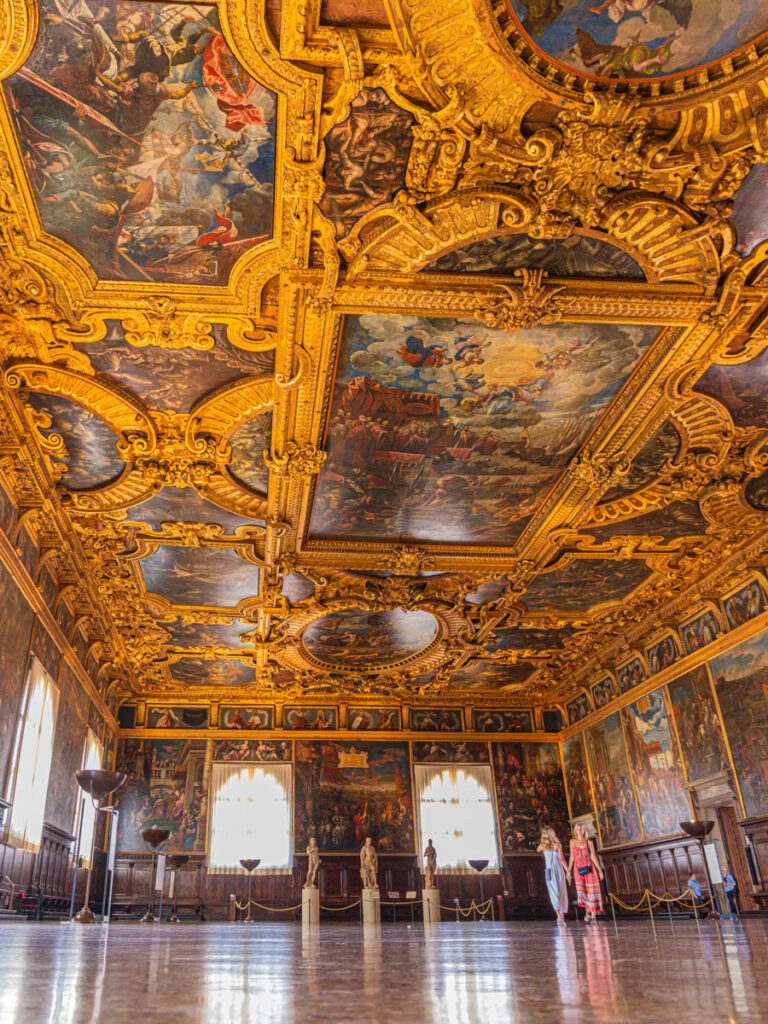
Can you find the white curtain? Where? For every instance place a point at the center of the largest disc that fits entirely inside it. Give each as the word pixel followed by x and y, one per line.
pixel 251 811
pixel 31 767
pixel 456 811
pixel 93 752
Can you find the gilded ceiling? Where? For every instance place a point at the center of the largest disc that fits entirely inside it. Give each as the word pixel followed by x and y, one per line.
pixel 386 349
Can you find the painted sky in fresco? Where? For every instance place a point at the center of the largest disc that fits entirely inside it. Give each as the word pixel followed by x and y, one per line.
pixel 450 431
pixel 92 458
pixel 639 38
pixel 176 381
pixel 199 576
pixel 577 256
pixel 217 672
pixel 584 583
pixel 355 637
pixel 159 168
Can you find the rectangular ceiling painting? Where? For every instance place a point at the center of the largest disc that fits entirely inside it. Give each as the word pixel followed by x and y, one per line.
pixel 446 430
pixel 149 147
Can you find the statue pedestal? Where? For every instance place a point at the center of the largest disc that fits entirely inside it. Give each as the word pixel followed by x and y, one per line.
pixel 371 906
pixel 431 902
pixel 310 907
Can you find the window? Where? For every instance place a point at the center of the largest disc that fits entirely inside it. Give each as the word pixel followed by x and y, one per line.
pixel 250 816
pixel 92 755
pixel 31 766
pixel 456 812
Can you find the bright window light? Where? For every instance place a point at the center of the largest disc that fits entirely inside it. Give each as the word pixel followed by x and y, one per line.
pixel 92 755
pixel 250 816
pixel 456 812
pixel 28 785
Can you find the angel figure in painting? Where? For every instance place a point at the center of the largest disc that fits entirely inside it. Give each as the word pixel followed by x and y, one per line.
pixel 430 868
pixel 313 864
pixel 369 865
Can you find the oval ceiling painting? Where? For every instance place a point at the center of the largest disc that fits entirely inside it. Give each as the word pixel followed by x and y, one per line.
pixel 639 38
pixel 149 148
pixel 357 639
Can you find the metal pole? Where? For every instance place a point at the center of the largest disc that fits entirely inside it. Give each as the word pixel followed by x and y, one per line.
pixel 77 858
pixel 613 908
pixel 650 908
pixel 110 879
pixel 160 912
pixel 669 908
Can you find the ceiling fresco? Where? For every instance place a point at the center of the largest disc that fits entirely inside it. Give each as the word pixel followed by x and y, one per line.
pixel 199 576
pixel 149 148
pixel 577 256
pixel 88 454
pixel 147 372
pixel 639 38
pixel 357 355
pixel 353 637
pixel 442 430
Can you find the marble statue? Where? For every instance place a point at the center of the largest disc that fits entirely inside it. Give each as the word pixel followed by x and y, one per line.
pixel 430 868
pixel 369 864
pixel 313 853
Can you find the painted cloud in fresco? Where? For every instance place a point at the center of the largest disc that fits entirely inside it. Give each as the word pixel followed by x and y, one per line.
pixel 199 576
pixel 446 430
pixel 178 504
pixel 92 458
pixel 639 38
pixel 149 148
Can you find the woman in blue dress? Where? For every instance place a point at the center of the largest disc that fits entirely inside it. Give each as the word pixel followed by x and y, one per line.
pixel 556 872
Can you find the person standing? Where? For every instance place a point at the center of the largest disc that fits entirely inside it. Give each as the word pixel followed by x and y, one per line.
pixel 731 890
pixel 587 874
pixel 696 896
pixel 556 869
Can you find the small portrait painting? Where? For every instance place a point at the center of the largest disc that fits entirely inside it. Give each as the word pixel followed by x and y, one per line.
pixel 745 604
pixel 370 719
pixel 246 718
pixel 662 654
pixel 602 692
pixel 578 708
pixel 450 752
pixel 165 717
pixel 436 720
pixel 630 675
pixel 311 718
pixel 700 631
pixel 493 720
pixel 252 750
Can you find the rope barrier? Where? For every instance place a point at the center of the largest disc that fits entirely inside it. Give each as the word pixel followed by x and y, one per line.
pixel 348 907
pixel 481 908
pixel 273 910
pixel 645 901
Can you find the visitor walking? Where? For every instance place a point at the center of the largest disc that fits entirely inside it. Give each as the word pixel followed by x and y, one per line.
pixel 556 871
pixel 587 874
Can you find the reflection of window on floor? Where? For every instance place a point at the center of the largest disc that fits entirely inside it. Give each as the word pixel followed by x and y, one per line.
pixel 92 755
pixel 456 812
pixel 31 764
pixel 250 816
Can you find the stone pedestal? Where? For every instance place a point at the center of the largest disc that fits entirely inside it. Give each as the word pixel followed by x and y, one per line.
pixel 371 907
pixel 310 908
pixel 431 901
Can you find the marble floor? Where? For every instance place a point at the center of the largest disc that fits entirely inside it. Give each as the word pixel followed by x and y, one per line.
pixel 681 973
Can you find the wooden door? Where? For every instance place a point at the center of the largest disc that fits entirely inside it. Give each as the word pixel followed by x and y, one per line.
pixel 737 858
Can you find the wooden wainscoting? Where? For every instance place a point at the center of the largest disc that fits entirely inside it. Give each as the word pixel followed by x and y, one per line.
pixel 660 865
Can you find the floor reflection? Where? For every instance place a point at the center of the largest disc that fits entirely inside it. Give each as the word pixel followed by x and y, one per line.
pixel 480 973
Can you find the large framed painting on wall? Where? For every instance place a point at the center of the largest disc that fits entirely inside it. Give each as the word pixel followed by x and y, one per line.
pixel 741 685
pixel 167 787
pixel 656 767
pixel 345 792
pixel 617 815
pixel 530 793
pixel 698 725
pixel 576 775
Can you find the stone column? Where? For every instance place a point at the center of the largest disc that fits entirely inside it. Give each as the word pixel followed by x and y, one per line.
pixel 431 901
pixel 371 906
pixel 310 907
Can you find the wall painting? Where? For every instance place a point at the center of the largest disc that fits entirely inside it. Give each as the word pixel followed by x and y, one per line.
pixel 530 793
pixel 698 724
pixel 576 775
pixel 617 813
pixel 493 720
pixel 345 792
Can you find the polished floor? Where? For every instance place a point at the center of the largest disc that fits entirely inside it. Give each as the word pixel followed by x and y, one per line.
pixel 681 973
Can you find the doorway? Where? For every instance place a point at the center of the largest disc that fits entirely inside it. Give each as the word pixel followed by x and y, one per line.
pixel 737 858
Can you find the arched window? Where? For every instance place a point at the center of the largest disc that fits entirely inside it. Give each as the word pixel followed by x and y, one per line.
pixel 250 816
pixel 456 811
